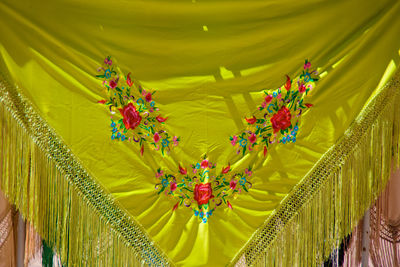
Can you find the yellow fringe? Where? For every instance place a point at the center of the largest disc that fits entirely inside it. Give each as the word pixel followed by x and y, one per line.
pixel 52 191
pixel 332 198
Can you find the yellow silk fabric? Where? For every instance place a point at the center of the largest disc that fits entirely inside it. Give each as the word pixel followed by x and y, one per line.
pixel 209 62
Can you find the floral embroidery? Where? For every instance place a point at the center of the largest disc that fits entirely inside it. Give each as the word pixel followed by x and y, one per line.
pixel 277 118
pixel 201 189
pixel 133 111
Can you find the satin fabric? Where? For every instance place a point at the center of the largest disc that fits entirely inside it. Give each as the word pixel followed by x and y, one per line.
pixel 209 62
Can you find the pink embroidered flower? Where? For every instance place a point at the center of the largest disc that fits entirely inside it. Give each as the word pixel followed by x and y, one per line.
pixel 268 98
pixel 175 140
pixel 113 83
pixel 204 164
pixel 252 138
pixel 234 140
pixel 108 61
pixel 156 137
pixel 173 186
pixel 281 119
pixel 159 173
pixel 203 193
pixel 148 97
pixel 248 172
pixel 264 104
pixel 233 184
pixel 307 65
pixel 131 116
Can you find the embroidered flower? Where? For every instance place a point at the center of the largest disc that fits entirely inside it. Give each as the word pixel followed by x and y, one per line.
pixel 242 180
pixel 160 119
pixel 307 64
pixel 203 193
pixel 252 138
pixel 229 205
pixel 128 80
pixel 156 137
pixel 226 169
pixel 248 172
pixel 302 88
pixel 135 105
pixel 204 164
pixel 173 186
pixel 164 182
pixel 281 120
pixel 243 142
pixel 175 140
pixel 113 83
pixel 268 98
pixel 108 61
pixel 288 84
pixel 165 142
pixel 159 173
pixel 233 140
pixel 131 116
pixel 233 184
pixel 251 120
pixel 182 170
pixel 148 97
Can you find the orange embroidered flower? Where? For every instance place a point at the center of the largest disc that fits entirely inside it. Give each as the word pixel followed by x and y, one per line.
pixel 131 116
pixel 281 120
pixel 203 193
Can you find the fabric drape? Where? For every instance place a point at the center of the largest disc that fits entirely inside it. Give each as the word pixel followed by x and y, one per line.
pixel 210 63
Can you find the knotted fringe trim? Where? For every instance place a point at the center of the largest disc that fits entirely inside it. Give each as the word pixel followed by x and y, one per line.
pixel 331 199
pixel 52 190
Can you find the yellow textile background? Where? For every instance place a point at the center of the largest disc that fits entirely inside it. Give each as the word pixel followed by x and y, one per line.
pixel 209 62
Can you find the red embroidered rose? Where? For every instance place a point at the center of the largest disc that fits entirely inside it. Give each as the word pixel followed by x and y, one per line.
pixel 281 119
pixel 131 116
pixel 148 97
pixel 203 193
